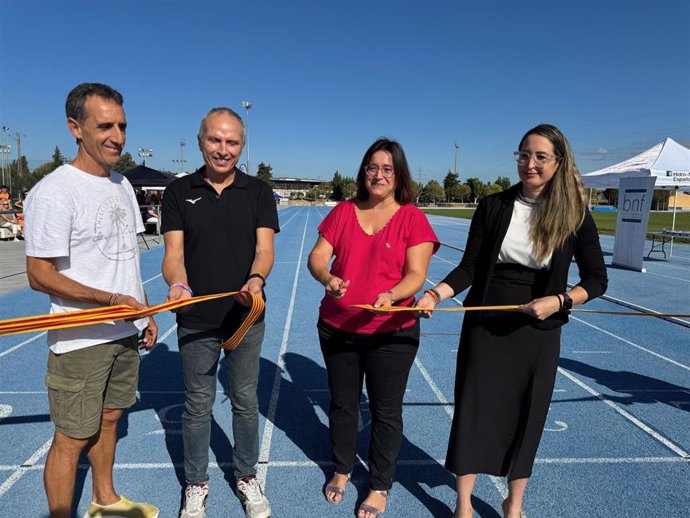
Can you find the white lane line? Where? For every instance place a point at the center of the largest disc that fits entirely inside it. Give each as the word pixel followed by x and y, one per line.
pixel 265 448
pixel 24 467
pixel 592 352
pixel 686 367
pixel 434 388
pixel 167 333
pixel 411 462
pixel 669 276
pixel 283 225
pixel 663 440
pixel 12 349
pixel 152 278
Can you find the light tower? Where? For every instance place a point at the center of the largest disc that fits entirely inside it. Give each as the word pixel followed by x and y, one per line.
pixel 247 105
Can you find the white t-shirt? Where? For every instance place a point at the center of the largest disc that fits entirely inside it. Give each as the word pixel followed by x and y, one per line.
pixel 517 246
pixel 89 224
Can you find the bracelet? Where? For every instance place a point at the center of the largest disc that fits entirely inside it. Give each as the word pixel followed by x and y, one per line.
pixel 560 303
pixel 434 294
pixel 183 286
pixel 113 299
pixel 257 276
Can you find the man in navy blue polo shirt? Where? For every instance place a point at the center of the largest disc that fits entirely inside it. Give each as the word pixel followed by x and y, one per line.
pixel 218 225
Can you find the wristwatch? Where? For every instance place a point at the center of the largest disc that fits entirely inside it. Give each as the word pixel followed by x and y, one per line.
pixel 567 302
pixel 257 276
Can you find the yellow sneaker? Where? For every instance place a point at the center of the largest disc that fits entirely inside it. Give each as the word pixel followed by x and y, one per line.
pixel 122 509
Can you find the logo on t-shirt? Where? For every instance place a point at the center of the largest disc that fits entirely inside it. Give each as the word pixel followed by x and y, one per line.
pixel 193 201
pixel 115 230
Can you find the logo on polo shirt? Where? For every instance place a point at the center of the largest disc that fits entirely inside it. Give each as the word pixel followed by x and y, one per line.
pixel 193 201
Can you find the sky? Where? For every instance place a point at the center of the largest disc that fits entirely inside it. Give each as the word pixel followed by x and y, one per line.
pixel 327 78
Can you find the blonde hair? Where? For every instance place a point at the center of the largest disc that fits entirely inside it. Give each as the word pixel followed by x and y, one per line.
pixel 563 201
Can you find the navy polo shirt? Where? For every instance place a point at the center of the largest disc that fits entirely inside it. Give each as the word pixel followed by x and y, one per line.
pixel 219 241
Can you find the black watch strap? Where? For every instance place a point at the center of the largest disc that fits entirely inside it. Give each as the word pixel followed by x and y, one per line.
pixel 257 276
pixel 567 302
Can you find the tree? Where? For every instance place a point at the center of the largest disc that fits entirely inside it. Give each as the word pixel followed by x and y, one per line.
pixel 43 170
pixel 493 188
pixel 463 191
pixel 337 183
pixel 450 186
pixel 349 188
pixel 264 173
pixel 58 159
pixel 19 177
pixel 433 192
pixel 477 188
pixel 125 163
pixel 504 182
pixel 417 189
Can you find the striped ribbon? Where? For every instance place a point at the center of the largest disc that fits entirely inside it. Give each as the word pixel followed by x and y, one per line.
pixel 396 309
pixel 106 314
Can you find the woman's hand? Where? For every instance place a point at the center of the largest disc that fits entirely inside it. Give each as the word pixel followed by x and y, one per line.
pixel 543 307
pixel 336 287
pixel 425 301
pixel 385 299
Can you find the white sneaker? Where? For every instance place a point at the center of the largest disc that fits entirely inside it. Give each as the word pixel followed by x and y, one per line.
pixel 252 497
pixel 195 496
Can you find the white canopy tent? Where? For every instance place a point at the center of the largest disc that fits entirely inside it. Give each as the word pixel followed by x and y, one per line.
pixel 668 161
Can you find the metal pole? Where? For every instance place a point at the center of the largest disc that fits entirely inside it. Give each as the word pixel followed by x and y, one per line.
pixel 144 153
pixel 673 224
pixel 183 143
pixel 247 105
pixel 455 170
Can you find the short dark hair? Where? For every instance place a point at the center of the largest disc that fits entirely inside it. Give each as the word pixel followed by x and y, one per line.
pixel 76 99
pixel 403 179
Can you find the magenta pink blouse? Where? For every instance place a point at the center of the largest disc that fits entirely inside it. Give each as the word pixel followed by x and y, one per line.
pixel 373 264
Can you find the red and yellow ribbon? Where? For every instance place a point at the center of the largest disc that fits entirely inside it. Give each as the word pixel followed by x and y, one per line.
pixel 396 309
pixel 106 314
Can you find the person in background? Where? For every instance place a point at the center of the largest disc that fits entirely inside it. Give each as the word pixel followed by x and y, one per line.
pixel 520 245
pixel 218 226
pixel 9 219
pixel 81 231
pixel 382 246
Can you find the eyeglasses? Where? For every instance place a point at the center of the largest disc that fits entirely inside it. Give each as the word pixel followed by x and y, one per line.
pixel 523 157
pixel 373 170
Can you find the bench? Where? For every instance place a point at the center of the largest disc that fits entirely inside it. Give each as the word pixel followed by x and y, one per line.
pixel 659 240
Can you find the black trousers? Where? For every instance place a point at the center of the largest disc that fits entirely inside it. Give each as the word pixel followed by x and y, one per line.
pixel 383 361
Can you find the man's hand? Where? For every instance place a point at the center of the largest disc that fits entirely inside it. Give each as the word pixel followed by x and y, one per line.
pixel 149 335
pixel 128 300
pixel 177 292
pixel 254 285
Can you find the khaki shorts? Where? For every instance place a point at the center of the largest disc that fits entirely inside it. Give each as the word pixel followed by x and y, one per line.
pixel 82 383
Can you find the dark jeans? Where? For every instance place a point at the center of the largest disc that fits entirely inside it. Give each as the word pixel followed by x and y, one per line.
pixel 200 353
pixel 383 360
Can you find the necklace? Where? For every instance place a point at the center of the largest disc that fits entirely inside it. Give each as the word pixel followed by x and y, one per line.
pixel 525 200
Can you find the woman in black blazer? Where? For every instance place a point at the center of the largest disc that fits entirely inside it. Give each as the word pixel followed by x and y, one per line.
pixel 519 249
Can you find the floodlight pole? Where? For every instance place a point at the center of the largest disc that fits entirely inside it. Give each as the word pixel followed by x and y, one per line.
pixel 247 105
pixel 144 153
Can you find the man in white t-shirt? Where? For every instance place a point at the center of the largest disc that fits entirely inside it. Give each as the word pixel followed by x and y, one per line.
pixel 81 230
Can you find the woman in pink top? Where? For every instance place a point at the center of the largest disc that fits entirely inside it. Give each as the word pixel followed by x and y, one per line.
pixel 382 246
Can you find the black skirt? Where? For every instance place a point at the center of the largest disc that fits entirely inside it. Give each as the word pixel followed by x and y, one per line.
pixel 505 375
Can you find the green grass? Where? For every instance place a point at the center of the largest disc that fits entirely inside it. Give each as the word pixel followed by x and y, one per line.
pixel 606 221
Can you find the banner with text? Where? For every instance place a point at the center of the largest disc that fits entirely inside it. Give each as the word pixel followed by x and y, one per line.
pixel 634 202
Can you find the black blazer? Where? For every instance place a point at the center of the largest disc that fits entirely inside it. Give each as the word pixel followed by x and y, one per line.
pixel 487 231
